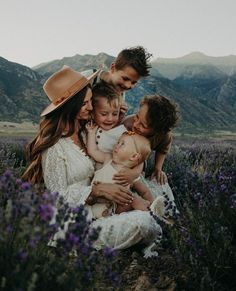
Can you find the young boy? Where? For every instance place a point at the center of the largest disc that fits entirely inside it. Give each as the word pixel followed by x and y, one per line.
pixel 130 65
pixel 106 108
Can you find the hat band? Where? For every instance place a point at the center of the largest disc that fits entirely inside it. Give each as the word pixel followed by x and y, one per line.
pixel 72 90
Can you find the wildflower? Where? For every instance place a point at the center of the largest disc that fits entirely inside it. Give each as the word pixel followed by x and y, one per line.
pixel 26 186
pixel 9 228
pixel 73 239
pixel 109 252
pixel 8 174
pixel 22 255
pixel 223 187
pixel 46 212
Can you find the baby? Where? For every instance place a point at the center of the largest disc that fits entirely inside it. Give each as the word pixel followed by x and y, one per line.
pixel 130 150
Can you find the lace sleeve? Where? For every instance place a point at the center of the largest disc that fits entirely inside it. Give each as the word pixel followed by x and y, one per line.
pixel 55 172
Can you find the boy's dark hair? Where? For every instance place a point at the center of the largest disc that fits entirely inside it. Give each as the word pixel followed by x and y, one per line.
pixel 135 57
pixel 103 89
pixel 162 114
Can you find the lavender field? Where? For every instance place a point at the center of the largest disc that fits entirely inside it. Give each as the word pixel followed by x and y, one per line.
pixel 197 253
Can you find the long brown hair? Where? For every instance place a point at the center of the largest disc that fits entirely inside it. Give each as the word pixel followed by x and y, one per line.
pixel 51 129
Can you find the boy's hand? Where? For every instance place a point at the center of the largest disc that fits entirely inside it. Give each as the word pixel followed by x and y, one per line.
pixel 91 127
pixel 160 176
pixel 123 110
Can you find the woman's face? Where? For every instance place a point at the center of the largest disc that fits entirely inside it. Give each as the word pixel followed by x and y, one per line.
pixel 87 107
pixel 140 125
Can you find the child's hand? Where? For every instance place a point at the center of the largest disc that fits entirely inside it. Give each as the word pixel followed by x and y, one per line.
pixel 123 110
pixel 160 176
pixel 91 127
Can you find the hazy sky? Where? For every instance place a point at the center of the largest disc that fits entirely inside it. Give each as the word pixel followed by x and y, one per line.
pixel 32 32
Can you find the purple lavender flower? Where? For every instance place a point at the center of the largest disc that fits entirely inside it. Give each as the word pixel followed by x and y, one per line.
pixel 73 239
pixel 223 187
pixel 26 186
pixel 109 252
pixel 9 228
pixel 46 212
pixel 18 181
pixel 22 255
pixel 8 174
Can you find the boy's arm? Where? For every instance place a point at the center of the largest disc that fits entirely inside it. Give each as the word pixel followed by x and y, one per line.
pixel 143 191
pixel 127 176
pixel 123 110
pixel 158 173
pixel 92 149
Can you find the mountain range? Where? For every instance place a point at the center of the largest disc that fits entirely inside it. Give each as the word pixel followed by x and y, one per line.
pixel 172 68
pixel 204 87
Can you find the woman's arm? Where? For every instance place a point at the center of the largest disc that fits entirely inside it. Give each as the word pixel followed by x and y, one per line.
pixel 55 178
pixel 55 173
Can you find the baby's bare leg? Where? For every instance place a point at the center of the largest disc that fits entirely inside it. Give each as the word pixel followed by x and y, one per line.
pixel 140 204
pixel 123 208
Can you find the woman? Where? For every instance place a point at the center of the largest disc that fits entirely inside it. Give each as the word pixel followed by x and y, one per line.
pixel 58 158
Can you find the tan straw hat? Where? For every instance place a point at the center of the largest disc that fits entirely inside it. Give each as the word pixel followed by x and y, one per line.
pixel 63 85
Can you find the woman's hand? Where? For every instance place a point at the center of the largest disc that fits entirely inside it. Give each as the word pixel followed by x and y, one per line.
pixel 112 192
pixel 127 176
pixel 160 176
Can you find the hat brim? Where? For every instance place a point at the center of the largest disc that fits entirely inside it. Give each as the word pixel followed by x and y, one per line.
pixel 51 107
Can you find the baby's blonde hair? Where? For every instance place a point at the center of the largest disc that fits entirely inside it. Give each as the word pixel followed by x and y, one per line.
pixel 142 144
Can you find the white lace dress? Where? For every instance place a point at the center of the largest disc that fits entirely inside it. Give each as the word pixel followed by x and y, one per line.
pixel 68 171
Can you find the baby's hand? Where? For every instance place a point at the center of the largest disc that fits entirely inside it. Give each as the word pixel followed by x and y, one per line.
pixel 91 127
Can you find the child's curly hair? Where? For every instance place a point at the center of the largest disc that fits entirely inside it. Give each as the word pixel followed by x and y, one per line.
pixel 162 114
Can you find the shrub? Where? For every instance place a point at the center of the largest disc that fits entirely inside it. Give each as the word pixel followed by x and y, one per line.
pixel 203 180
pixel 27 226
pixel 12 155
